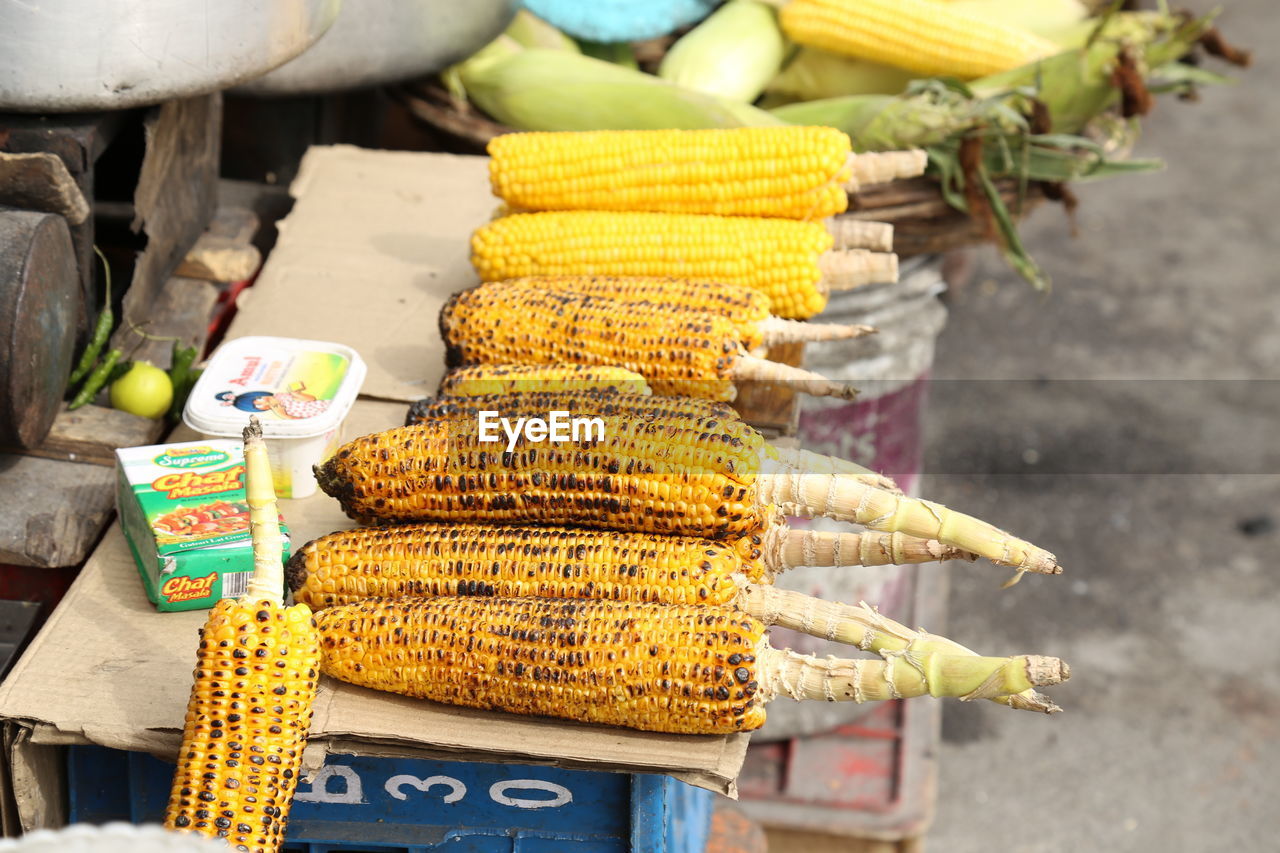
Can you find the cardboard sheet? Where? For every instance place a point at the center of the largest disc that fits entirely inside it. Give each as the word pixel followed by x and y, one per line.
pixel 375 244
pixel 109 669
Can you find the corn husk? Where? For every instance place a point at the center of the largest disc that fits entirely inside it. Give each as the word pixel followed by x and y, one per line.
pixel 1076 85
pixel 552 90
pixel 732 54
pixel 814 74
pixel 531 31
pixel 1042 17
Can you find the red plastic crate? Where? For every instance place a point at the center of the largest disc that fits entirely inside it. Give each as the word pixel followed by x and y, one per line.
pixel 875 777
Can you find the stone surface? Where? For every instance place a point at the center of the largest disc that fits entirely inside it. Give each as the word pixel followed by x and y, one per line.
pixel 1167 611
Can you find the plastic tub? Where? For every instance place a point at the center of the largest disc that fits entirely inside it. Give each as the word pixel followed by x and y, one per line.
pixel 882 429
pixel 300 390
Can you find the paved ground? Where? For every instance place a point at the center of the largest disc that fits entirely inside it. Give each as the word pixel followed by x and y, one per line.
pixel 1169 613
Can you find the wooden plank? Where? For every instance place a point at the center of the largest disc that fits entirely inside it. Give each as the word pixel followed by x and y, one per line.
pixel 793 841
pixel 221 259
pixel 91 435
pixel 174 201
pixel 52 512
pixel 40 181
pixel 183 310
pixel 225 251
pixel 772 407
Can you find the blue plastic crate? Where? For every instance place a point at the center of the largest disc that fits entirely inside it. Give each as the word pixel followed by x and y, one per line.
pixel 392 805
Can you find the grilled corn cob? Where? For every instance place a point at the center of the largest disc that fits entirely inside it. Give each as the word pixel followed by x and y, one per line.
pixel 678 353
pixel 431 560
pixel 746 308
pixel 507 378
pixel 514 561
pixel 701 414
pixel 782 172
pixel 686 669
pixel 791 262
pixel 649 476
pixel 926 37
pixel 250 706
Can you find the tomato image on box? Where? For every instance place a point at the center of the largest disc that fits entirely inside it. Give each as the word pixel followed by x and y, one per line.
pixel 184 514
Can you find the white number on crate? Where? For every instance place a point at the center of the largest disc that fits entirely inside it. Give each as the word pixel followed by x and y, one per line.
pixel 498 793
pixel 395 783
pixel 352 789
pixel 352 793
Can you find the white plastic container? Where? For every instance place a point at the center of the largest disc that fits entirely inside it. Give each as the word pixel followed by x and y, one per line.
pixel 300 390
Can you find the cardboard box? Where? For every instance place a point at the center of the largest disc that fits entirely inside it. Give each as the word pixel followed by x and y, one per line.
pixel 109 669
pixel 185 515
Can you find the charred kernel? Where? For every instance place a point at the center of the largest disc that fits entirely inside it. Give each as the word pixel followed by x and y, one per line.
pixel 742 674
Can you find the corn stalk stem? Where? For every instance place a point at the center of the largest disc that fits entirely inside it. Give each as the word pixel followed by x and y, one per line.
pixel 881 167
pixel 850 268
pixel 776 330
pixel 267 582
pixel 862 626
pixel 805 381
pixel 820 463
pixel 872 548
pixel 850 233
pixel 901 675
pixel 848 499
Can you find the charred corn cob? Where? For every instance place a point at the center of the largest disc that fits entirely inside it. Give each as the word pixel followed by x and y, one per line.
pixel 926 37
pixel 679 353
pixel 650 476
pixel 687 669
pixel 779 172
pixel 507 378
pixel 791 262
pixel 700 415
pixel 746 308
pixel 432 560
pixel 250 707
pixel 515 561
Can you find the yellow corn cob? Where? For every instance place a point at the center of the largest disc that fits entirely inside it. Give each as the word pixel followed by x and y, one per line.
pixel 654 477
pixel 678 353
pixel 746 308
pixel 688 669
pixel 428 560
pixel 432 560
pixel 926 37
pixel 250 706
pixel 668 476
pixel 507 378
pixel 701 415
pixel 785 172
pixel 778 257
pixel 538 403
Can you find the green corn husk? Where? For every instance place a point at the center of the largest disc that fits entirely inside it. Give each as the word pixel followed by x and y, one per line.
pixel 732 54
pixel 552 90
pixel 814 74
pixel 918 118
pixel 1076 85
pixel 615 52
pixel 500 48
pixel 531 31
pixel 1042 17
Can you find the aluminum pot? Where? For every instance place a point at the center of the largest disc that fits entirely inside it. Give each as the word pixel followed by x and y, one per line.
pixel 376 42
pixel 89 55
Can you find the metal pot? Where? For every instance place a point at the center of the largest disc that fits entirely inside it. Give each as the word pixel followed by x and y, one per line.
pixel 88 55
pixel 376 42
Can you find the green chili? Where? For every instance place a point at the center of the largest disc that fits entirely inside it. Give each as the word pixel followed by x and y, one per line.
pixel 101 329
pixel 182 377
pixel 96 379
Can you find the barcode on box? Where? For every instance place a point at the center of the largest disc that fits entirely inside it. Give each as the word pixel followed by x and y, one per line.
pixel 235 584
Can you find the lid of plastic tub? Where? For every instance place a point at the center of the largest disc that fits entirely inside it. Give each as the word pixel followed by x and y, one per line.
pixel 297 388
